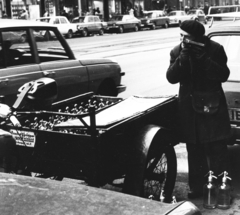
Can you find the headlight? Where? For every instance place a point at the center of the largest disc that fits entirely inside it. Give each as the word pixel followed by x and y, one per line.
pixel 114 24
pixel 148 21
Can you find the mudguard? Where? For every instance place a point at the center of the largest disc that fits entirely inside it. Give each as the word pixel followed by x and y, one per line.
pixel 133 183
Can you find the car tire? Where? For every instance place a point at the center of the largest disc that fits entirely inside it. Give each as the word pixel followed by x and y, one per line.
pixel 164 167
pixel 69 34
pixel 84 33
pixel 107 88
pixel 153 27
pixel 120 30
pixel 136 28
pixel 179 23
pixel 101 32
pixel 165 25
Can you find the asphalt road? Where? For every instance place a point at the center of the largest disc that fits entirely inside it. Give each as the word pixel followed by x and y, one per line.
pixel 144 57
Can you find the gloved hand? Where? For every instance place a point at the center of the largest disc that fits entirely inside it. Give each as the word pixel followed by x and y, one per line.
pixel 184 56
pixel 198 52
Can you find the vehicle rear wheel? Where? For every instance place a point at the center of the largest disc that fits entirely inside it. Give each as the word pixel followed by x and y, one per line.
pixel 161 174
pixel 153 27
pixel 84 33
pixel 69 34
pixel 136 28
pixel 101 32
pixel 120 30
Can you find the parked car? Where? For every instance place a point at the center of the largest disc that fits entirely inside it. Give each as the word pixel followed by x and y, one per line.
pixel 46 196
pixel 198 15
pixel 24 61
pixel 62 23
pixel 122 23
pixel 176 17
pixel 154 18
pixel 86 25
pixel 228 35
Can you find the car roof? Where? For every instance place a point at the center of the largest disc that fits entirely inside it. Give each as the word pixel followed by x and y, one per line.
pixel 233 27
pixel 10 23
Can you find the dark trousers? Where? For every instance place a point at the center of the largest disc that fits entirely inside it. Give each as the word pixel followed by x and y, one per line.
pixel 205 157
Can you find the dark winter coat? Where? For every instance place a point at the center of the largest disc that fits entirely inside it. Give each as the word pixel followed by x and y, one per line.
pixel 208 76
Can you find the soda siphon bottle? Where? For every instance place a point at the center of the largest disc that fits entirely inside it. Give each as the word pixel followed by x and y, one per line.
pixel 210 193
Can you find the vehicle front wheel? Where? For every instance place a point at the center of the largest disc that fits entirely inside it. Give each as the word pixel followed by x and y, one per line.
pixel 120 30
pixel 136 28
pixel 69 34
pixel 153 27
pixel 161 175
pixel 101 32
pixel 107 88
pixel 165 25
pixel 84 33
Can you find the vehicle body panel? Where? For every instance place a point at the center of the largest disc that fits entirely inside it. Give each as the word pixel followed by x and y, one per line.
pixel 91 23
pixel 228 35
pixel 127 22
pixel 177 17
pixel 61 22
pixel 154 17
pixel 52 197
pixel 49 58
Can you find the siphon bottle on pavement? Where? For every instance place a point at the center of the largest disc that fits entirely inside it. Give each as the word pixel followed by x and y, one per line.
pixel 210 193
pixel 224 194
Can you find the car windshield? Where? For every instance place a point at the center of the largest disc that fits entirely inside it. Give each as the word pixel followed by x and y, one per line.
pixel 148 15
pixel 232 48
pixel 78 20
pixel 43 20
pixel 192 12
pixel 116 18
pixel 172 14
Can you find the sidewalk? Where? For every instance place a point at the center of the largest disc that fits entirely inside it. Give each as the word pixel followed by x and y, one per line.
pixel 181 187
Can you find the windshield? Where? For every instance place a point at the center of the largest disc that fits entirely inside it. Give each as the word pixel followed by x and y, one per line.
pixel 232 49
pixel 43 20
pixel 78 20
pixel 172 14
pixel 192 12
pixel 116 18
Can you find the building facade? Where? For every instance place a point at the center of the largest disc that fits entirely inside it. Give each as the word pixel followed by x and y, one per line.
pixel 104 8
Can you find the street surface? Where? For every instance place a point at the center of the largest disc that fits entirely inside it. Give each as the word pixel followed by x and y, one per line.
pixel 144 57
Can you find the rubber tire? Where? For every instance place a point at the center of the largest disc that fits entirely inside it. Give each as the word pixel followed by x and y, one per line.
pixel 153 27
pixel 120 30
pixel 69 34
pixel 101 32
pixel 170 177
pixel 136 28
pixel 166 25
pixel 84 33
pixel 179 23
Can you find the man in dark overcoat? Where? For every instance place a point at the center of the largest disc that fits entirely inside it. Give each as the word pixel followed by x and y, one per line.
pixel 202 69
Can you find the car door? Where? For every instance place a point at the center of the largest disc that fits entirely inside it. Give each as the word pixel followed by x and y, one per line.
pixel 90 24
pixel 64 25
pixel 97 23
pixel 56 62
pixel 17 63
pixel 127 22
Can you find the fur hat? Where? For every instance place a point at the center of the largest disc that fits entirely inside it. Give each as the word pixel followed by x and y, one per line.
pixel 193 27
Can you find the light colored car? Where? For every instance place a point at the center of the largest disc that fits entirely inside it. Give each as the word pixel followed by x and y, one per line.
pixel 198 15
pixel 228 35
pixel 64 26
pixel 22 61
pixel 176 17
pixel 154 18
pixel 86 25
pixel 121 23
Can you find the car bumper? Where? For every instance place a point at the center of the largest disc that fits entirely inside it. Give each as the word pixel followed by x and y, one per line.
pixel 147 25
pixel 121 88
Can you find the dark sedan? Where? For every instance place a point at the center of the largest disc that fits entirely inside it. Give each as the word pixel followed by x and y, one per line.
pixel 122 23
